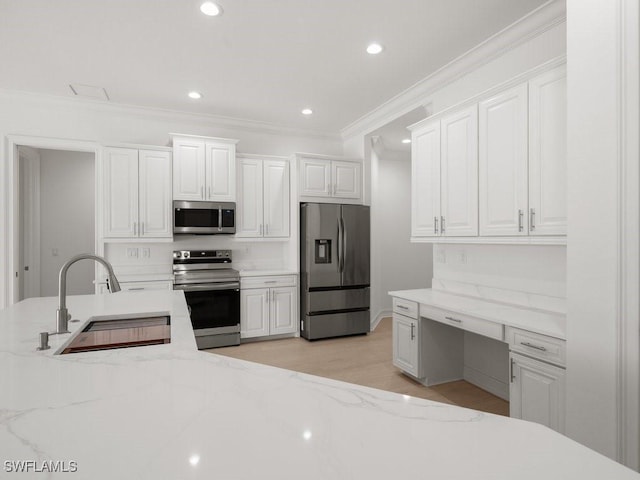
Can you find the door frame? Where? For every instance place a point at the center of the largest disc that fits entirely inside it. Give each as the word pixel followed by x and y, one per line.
pixel 30 162
pixel 10 192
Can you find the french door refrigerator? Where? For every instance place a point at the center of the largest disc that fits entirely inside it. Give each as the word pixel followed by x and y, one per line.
pixel 334 270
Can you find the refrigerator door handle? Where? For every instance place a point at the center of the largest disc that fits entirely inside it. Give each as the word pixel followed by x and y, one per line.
pixel 340 244
pixel 344 244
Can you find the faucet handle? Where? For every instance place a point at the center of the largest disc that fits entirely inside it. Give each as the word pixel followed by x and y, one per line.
pixel 44 341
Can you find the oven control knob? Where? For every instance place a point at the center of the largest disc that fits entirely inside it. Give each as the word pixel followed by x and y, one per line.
pixel 185 255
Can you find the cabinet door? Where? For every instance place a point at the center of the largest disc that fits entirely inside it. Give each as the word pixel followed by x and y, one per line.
pixel 548 153
pixel 405 344
pixel 155 208
pixel 347 179
pixel 276 198
pixel 315 177
pixel 249 209
pixel 220 172
pixel 459 173
pixel 425 180
pixel 282 310
pixel 503 164
pixel 188 170
pixel 537 392
pixel 254 312
pixel 120 177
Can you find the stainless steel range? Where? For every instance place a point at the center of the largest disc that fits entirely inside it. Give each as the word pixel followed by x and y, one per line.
pixel 212 290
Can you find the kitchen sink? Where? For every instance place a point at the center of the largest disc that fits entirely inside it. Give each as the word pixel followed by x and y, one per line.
pixel 120 331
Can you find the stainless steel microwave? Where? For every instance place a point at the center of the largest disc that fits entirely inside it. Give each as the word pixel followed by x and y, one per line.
pixel 204 218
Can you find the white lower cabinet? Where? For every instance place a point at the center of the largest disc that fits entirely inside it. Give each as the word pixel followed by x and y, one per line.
pixel 268 306
pixel 537 392
pixel 406 345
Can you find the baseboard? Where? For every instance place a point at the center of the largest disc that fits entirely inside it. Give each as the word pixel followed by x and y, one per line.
pixel 382 314
pixel 485 382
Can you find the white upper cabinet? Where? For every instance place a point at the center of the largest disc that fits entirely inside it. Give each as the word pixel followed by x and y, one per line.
pixel 503 163
pixel 425 180
pixel 459 173
pixel 330 178
pixel 137 193
pixel 263 198
pixel 444 177
pixel 204 169
pixel 548 153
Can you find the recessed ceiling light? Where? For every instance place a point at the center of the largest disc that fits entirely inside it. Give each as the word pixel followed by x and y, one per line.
pixel 406 140
pixel 195 95
pixel 307 111
pixel 211 9
pixel 374 49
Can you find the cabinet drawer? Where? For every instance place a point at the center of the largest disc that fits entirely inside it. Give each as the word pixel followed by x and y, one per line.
pixel 266 282
pixel 464 322
pixel 405 307
pixel 535 345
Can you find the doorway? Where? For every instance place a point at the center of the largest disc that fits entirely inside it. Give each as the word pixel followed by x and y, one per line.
pixel 55 220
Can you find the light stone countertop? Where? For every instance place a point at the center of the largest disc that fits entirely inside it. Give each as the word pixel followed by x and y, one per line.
pixel 543 322
pixel 172 412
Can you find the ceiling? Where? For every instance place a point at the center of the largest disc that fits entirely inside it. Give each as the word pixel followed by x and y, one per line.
pixel 262 60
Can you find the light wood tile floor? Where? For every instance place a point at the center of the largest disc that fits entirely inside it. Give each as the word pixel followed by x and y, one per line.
pixel 363 360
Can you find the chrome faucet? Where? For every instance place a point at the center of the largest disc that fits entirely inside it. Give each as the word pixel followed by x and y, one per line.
pixel 62 314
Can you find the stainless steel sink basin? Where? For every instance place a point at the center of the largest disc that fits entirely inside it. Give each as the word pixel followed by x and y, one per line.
pixel 120 331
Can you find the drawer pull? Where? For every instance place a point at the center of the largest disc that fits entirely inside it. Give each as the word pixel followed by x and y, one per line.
pixel 453 319
pixel 402 307
pixel 412 334
pixel 531 345
pixel 271 281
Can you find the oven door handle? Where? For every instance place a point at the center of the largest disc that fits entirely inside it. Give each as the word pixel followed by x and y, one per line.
pixel 207 286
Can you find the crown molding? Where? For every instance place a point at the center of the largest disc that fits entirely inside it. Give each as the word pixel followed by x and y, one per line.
pixel 544 18
pixel 153 113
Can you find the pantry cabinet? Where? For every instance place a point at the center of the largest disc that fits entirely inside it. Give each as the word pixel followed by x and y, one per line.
pixel 204 168
pixel 330 178
pixel 136 193
pixel 263 198
pixel 268 306
pixel 445 176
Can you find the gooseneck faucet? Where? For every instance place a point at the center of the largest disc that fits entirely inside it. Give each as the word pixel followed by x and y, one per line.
pixel 62 314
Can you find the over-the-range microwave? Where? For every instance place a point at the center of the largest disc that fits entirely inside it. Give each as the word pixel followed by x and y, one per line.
pixel 204 218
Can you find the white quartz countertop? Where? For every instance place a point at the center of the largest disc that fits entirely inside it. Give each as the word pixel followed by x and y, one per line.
pixel 172 412
pixel 544 322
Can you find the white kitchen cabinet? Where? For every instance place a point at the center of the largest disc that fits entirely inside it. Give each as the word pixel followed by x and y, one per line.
pixel 548 153
pixel 330 178
pixel 503 148
pixel 204 169
pixel 537 391
pixel 137 193
pixel 406 344
pixel 425 180
pixel 139 286
pixel 445 176
pixel 459 173
pixel 263 198
pixel 268 306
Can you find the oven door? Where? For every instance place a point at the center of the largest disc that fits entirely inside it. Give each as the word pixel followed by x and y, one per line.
pixel 214 307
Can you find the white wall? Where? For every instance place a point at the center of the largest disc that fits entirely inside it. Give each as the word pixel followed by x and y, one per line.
pixel 396 264
pixel 67 226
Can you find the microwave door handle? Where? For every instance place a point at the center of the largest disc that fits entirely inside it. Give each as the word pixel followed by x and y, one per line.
pixel 220 218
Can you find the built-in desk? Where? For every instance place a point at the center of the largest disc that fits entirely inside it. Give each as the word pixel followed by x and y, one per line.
pixel 515 352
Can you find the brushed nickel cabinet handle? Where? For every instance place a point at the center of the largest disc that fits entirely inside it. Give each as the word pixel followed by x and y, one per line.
pixel 135 229
pixel 435 225
pixel 412 335
pixel 532 220
pixel 511 375
pixel 202 192
pixel 453 319
pixel 531 345
pixel 441 224
pixel 402 307
pixel 520 218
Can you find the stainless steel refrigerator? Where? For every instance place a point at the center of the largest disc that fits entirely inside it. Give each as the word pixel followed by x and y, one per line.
pixel 334 270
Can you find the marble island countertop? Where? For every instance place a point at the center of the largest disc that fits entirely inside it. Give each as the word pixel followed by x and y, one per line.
pixel 172 412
